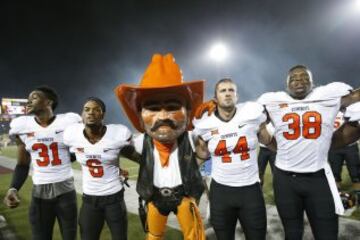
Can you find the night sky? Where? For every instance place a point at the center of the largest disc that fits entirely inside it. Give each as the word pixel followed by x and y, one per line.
pixel 87 48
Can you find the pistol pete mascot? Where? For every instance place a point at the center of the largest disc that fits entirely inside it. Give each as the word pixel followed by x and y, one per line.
pixel 161 108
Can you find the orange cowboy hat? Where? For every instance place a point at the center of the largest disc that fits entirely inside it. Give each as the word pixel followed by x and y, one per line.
pixel 162 74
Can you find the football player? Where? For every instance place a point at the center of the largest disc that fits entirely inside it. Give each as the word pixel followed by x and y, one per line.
pixel 303 118
pixel 231 136
pixel 97 148
pixel 349 154
pixel 352 115
pixel 40 143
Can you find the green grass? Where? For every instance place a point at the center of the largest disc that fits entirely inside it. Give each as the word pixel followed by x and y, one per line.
pixel 18 218
pixel 9 151
pixel 131 166
pixel 267 187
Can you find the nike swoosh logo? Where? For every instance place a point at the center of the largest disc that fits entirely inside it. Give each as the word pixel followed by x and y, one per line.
pixel 109 149
pixel 59 131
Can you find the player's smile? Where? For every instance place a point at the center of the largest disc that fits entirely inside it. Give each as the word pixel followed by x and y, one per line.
pixel 300 88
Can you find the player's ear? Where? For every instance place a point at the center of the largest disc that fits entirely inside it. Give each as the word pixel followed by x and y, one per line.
pixel 102 115
pixel 49 103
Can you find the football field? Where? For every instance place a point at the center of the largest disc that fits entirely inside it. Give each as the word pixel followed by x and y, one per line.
pixel 18 218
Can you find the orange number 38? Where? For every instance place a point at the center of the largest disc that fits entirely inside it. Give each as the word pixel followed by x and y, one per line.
pixel 311 125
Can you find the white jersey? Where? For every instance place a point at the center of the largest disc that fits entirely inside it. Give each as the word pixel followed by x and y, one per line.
pixel 233 144
pixel 303 128
pixel 50 158
pixel 99 161
pixel 353 112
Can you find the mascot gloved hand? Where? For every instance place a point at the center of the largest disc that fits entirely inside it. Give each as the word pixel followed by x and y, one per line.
pixel 209 107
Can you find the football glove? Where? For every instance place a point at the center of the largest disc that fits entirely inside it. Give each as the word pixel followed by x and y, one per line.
pixel 209 107
pixel 348 199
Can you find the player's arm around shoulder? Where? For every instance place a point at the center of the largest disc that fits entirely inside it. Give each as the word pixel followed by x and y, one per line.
pixel 21 172
pixel 351 97
pixel 128 150
pixel 200 136
pixel 69 134
pixel 73 118
pixel 201 150
pixel 266 138
pixel 130 153
pixel 349 132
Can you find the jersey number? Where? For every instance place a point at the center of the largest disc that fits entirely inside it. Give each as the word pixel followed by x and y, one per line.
pixel 95 168
pixel 241 147
pixel 311 125
pixel 44 154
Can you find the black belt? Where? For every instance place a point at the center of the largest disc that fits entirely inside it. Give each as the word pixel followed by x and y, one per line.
pixel 167 200
pixel 318 173
pixel 168 192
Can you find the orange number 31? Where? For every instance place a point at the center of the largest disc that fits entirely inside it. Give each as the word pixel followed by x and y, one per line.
pixel 44 154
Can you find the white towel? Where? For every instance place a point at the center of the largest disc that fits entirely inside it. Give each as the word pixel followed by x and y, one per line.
pixel 339 208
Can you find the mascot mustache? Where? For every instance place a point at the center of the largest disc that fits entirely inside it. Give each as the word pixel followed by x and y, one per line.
pixel 165 122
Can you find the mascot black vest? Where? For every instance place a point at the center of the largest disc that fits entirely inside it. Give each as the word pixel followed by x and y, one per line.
pixel 190 175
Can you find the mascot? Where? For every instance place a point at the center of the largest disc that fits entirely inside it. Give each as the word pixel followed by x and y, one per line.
pixel 161 108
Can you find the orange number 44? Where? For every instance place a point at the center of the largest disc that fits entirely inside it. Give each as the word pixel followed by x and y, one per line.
pixel 241 148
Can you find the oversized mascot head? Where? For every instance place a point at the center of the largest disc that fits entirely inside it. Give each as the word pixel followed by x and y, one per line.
pixel 162 105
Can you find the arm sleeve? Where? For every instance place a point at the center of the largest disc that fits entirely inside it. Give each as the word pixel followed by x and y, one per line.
pixel 19 177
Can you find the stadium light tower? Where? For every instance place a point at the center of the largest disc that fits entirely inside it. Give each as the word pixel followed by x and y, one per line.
pixel 218 52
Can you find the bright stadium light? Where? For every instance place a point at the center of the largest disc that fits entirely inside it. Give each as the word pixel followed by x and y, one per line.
pixel 218 52
pixel 356 6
